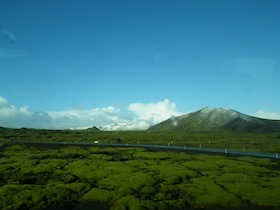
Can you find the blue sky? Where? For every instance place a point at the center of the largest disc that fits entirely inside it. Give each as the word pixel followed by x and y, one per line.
pixel 74 63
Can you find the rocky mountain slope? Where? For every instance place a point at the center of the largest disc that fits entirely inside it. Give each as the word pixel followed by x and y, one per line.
pixel 218 119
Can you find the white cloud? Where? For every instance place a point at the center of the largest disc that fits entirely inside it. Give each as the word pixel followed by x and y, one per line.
pixel 154 113
pixel 17 117
pixel 82 118
pixel 11 116
pixel 82 114
pixel 9 110
pixel 3 102
pixel 267 115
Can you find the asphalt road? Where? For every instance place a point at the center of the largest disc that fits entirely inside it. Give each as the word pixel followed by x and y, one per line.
pixel 151 146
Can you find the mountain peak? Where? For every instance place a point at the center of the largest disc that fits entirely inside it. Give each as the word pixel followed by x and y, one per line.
pixel 217 114
pixel 220 109
pixel 207 109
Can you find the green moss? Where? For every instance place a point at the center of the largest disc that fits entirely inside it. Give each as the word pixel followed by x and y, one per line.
pixel 71 153
pixel 147 191
pixel 32 197
pixel 197 165
pixel 165 188
pixel 263 162
pixel 243 167
pixel 135 181
pixel 272 182
pixel 152 155
pixel 17 197
pixel 130 202
pixel 133 178
pixel 169 192
pixel 172 173
pixel 77 187
pixel 98 195
pixel 203 193
pixel 118 167
pixel 83 169
pixel 176 204
pixel 255 194
pixel 15 148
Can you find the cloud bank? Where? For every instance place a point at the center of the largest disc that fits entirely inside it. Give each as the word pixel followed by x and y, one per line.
pixel 18 117
pixel 267 115
pixel 154 113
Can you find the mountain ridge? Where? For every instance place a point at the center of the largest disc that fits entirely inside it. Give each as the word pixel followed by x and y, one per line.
pixel 218 119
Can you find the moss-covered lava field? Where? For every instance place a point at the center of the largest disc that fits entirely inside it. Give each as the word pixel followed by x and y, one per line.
pixel 130 178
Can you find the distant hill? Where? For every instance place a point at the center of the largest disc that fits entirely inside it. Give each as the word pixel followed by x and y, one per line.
pixel 93 128
pixel 218 119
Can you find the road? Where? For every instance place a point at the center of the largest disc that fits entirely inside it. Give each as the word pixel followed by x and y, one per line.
pixel 152 146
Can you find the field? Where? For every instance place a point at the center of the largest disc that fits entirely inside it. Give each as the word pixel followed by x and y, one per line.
pixel 261 142
pixel 131 178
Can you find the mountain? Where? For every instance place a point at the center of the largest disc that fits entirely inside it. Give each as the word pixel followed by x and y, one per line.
pixel 218 119
pixel 124 126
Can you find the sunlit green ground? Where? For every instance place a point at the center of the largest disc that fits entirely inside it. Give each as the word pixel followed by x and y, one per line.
pixel 264 142
pixel 128 178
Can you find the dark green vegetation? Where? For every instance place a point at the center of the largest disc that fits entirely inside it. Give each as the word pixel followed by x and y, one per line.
pixel 264 142
pixel 218 119
pixel 127 178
